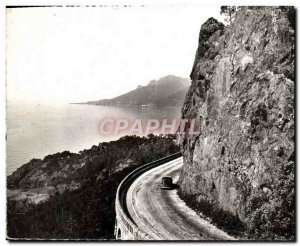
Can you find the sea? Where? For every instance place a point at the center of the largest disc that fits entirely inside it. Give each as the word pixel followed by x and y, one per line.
pixel 34 130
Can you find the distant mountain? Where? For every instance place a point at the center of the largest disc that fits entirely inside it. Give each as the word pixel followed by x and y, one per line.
pixel 175 99
pixel 167 91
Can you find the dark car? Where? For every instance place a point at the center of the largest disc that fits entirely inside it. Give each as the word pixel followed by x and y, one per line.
pixel 167 183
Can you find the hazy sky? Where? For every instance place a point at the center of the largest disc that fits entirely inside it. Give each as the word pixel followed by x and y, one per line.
pixel 79 54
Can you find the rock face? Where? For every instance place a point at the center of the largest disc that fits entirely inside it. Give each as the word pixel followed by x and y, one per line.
pixel 242 93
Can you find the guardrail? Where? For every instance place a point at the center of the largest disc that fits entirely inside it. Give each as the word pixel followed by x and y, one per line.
pixel 121 206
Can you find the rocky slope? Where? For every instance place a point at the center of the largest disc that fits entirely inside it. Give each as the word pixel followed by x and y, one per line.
pixel 159 92
pixel 71 196
pixel 242 94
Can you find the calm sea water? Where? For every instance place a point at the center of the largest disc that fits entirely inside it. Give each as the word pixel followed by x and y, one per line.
pixel 36 130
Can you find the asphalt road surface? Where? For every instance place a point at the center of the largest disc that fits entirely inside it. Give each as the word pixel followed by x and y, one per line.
pixel 162 214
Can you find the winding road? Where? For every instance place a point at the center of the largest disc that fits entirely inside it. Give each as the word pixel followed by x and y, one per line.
pixel 161 213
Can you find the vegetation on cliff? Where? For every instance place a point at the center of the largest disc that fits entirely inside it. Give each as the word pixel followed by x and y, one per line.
pixel 242 92
pixel 87 211
pixel 211 212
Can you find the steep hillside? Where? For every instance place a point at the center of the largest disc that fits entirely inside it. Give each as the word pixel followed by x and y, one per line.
pixel 175 99
pixel 72 196
pixel 155 93
pixel 242 93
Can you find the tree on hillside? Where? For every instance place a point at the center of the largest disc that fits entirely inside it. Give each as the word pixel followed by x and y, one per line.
pixel 228 11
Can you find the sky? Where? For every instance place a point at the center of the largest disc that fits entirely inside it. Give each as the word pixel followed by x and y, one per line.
pixel 88 53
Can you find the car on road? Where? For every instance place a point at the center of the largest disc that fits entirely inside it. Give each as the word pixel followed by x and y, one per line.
pixel 167 183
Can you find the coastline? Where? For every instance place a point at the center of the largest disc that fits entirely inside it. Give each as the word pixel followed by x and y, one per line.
pixel 85 180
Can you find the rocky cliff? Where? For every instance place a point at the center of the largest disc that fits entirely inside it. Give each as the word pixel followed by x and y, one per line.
pixel 242 94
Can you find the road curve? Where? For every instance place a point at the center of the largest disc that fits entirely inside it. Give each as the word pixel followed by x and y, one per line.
pixel 161 213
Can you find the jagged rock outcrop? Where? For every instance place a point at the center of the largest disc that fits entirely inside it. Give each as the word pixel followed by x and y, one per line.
pixel 242 94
